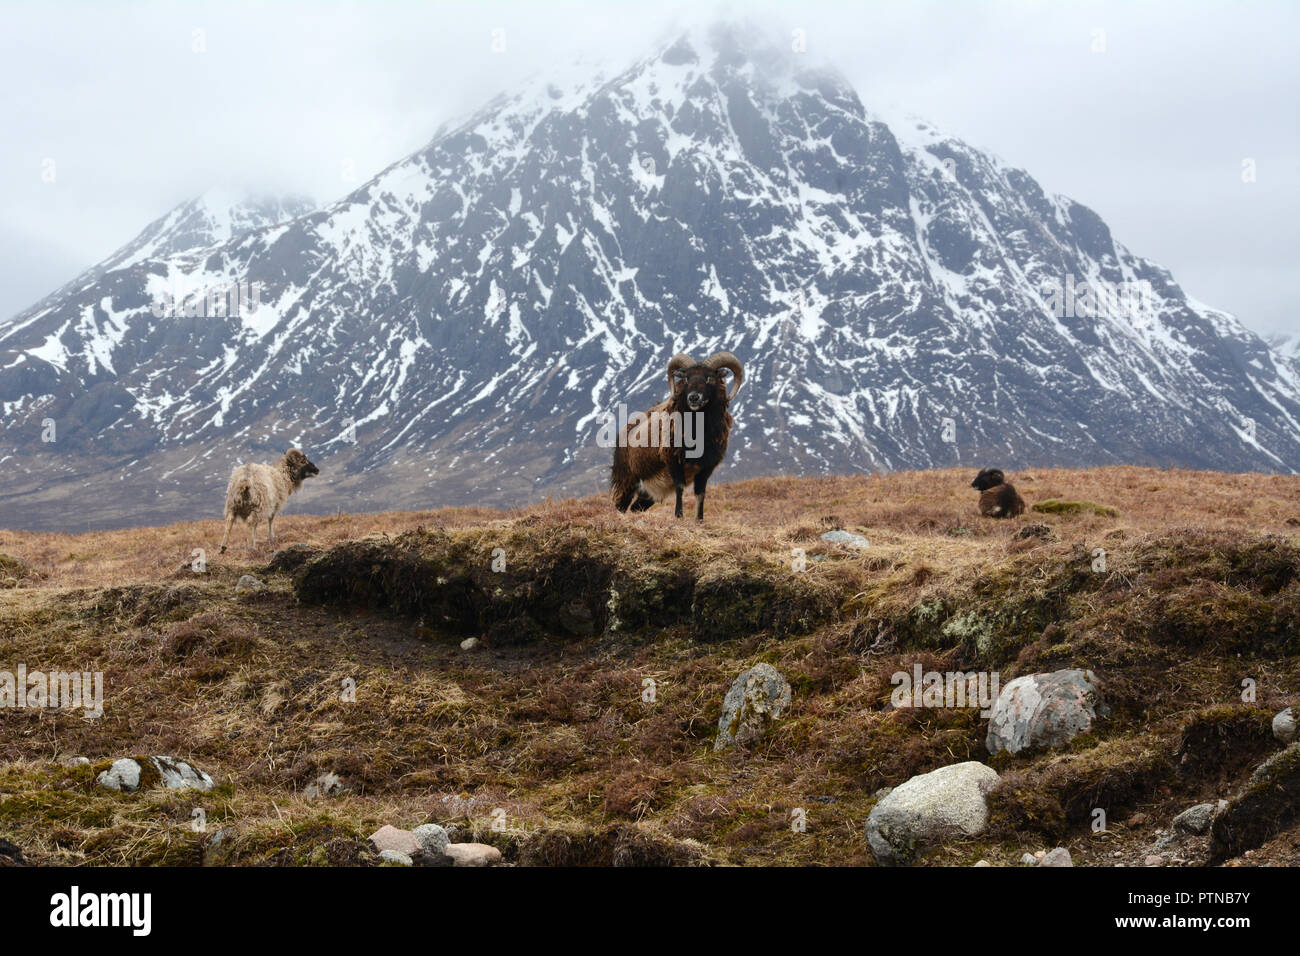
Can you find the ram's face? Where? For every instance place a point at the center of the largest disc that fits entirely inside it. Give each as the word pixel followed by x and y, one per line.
pixel 300 466
pixel 986 479
pixel 695 386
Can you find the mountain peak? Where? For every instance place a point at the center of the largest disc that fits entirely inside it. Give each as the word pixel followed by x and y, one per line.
pixel 724 192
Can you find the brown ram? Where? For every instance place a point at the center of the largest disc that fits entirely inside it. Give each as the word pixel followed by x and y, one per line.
pixel 680 440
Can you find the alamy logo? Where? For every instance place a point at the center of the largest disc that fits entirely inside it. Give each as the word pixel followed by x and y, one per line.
pixel 75 908
pixel 952 689
pixel 653 430
pixel 223 300
pixel 1098 298
pixel 66 690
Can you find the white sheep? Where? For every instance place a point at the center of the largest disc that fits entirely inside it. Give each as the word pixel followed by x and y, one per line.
pixel 258 492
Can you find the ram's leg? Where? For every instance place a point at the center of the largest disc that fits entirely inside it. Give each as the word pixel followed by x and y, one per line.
pixel 643 501
pixel 625 499
pixel 678 472
pixel 270 528
pixel 701 480
pixel 252 531
pixel 230 520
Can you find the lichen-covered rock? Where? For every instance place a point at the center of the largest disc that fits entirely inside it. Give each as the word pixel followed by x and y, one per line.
pixel 928 809
pixel 756 698
pixel 394 858
pixel 1284 726
pixel 1195 820
pixel 433 839
pixel 1043 710
pixel 130 774
pixel 247 584
pixel 1265 807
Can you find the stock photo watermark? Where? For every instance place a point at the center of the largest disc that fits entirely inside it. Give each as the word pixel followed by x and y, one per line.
pixel 659 429
pixel 1093 299
pixel 52 690
pixel 222 300
pixel 933 689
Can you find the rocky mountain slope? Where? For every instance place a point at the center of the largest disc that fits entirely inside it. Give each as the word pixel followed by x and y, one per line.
pixel 457 329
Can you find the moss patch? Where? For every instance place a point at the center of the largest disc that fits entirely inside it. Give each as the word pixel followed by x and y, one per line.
pixel 1054 506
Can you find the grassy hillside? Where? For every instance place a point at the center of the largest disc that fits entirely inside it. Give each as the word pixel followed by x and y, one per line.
pixel 539 741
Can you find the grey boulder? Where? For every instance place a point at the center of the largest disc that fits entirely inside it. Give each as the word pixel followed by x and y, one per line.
pixel 1043 710
pixel 1195 820
pixel 847 538
pixel 1284 726
pixel 433 839
pixel 756 698
pixel 129 774
pixel 930 808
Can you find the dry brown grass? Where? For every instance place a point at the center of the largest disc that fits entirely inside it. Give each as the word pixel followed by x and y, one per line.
pixel 907 510
pixel 551 728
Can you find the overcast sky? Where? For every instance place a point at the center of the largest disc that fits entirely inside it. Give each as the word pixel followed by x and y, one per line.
pixel 1147 121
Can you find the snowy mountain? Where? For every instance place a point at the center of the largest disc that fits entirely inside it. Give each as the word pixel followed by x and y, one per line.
pixel 1287 346
pixel 455 330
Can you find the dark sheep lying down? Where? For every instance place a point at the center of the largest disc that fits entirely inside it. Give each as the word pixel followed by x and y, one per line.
pixel 997 499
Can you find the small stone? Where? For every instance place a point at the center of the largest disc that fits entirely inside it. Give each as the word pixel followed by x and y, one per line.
pixel 846 537
pixel 469 644
pixel 389 837
pixel 395 858
pixel 325 785
pixel 123 776
pixel 1137 819
pixel 473 854
pixel 1039 854
pixel 74 761
pixel 1057 857
pixel 1154 860
pixel 1284 726
pixel 433 839
pixel 248 583
pixel 1028 859
pixel 983 863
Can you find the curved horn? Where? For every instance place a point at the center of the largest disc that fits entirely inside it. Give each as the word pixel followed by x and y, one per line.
pixel 728 361
pixel 675 364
